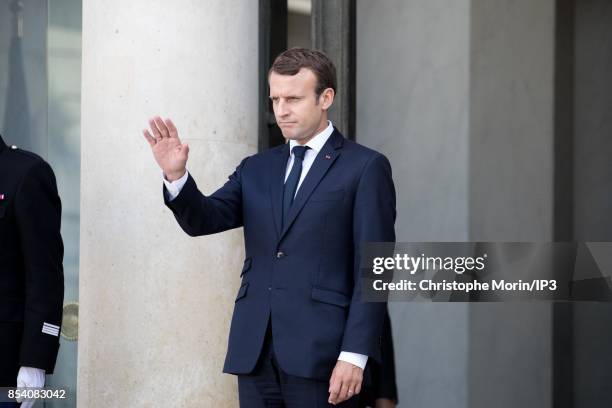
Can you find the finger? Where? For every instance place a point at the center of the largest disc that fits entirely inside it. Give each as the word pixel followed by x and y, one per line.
pixel 149 138
pixel 358 388
pixel 354 387
pixel 334 389
pixel 155 130
pixel 171 128
pixel 161 126
pixel 343 394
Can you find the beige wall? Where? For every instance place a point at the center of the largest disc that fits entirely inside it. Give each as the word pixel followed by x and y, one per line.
pixel 156 304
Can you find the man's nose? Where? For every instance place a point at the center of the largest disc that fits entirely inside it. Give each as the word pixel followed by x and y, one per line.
pixel 282 108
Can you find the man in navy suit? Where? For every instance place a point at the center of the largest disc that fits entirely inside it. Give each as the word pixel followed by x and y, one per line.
pixel 300 334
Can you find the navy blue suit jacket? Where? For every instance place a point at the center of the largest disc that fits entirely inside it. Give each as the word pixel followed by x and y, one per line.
pixel 304 277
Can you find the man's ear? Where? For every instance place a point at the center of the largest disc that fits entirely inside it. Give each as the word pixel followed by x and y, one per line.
pixel 327 98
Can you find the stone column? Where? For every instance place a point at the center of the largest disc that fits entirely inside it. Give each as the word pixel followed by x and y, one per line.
pixel 155 303
pixel 333 32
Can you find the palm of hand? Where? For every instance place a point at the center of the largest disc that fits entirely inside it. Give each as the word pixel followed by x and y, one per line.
pixel 167 153
pixel 170 154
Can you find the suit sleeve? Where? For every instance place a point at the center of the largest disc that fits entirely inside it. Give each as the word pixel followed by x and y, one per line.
pixel 198 214
pixel 38 215
pixel 373 221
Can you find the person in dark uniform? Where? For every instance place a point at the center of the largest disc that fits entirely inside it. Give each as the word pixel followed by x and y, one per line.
pixel 381 392
pixel 31 272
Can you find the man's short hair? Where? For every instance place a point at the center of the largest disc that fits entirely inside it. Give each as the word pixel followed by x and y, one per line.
pixel 291 61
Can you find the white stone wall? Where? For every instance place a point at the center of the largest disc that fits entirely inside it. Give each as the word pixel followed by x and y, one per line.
pixel 155 303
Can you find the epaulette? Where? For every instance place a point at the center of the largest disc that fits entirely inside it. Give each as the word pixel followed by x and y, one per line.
pixel 24 152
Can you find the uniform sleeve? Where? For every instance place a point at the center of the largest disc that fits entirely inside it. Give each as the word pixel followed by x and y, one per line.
pixel 38 217
pixel 384 383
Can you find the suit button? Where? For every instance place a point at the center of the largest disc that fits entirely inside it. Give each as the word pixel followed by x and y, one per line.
pixel 280 254
pixel 269 287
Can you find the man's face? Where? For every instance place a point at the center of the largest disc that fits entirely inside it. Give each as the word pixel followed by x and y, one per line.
pixel 297 112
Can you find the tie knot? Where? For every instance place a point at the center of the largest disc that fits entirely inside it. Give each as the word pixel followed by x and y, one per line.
pixel 299 151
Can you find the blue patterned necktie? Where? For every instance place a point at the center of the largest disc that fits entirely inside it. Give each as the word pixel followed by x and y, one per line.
pixel 292 181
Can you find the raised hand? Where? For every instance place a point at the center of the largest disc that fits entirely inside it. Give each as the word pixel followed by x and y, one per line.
pixel 170 154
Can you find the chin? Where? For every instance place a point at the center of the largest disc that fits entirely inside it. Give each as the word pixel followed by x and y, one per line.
pixel 288 134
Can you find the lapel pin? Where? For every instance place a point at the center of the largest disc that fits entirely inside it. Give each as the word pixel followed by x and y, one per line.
pixel 327 156
pixel 1 196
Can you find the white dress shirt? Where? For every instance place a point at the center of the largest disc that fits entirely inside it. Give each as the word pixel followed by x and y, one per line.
pixel 315 144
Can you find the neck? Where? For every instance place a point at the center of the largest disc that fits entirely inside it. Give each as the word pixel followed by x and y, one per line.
pixel 307 139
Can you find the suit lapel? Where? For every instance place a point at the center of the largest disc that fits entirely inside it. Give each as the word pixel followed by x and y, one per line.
pixel 326 157
pixel 278 168
pixel 2 144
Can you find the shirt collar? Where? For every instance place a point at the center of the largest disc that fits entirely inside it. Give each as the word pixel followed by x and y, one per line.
pixel 317 142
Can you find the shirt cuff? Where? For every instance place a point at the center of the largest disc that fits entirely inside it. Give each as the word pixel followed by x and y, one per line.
pixel 359 360
pixel 174 187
